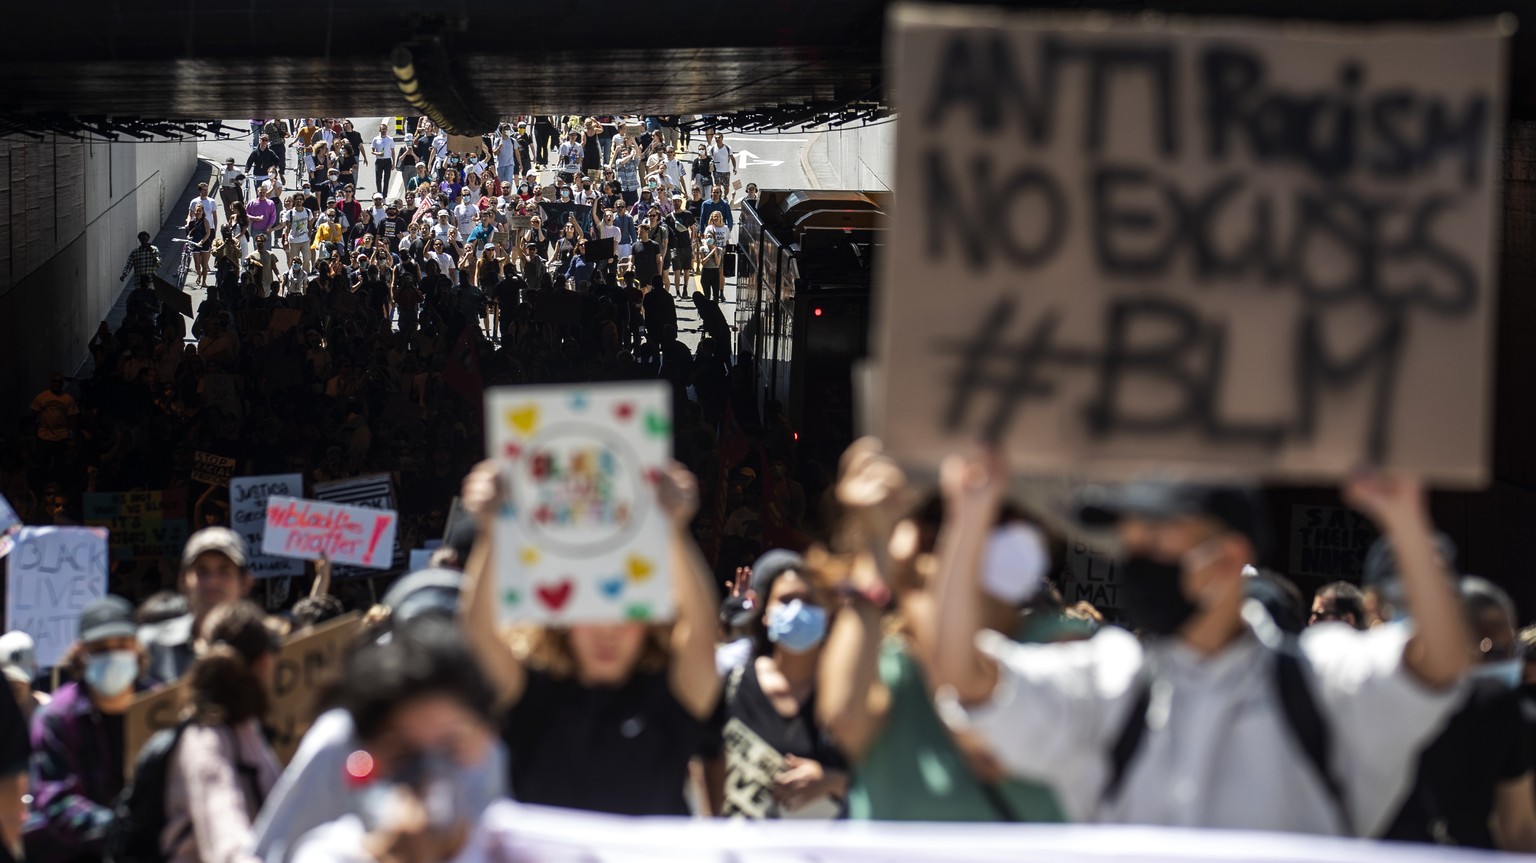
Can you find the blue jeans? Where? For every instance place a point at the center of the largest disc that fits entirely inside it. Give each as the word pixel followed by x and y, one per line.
pixel 507 173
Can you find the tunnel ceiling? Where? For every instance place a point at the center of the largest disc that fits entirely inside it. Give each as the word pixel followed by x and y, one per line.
pixel 225 58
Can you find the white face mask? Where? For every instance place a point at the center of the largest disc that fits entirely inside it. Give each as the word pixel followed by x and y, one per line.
pixel 110 674
pixel 1014 563
pixel 1507 671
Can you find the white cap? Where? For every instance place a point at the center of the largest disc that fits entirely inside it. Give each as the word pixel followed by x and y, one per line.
pixel 17 648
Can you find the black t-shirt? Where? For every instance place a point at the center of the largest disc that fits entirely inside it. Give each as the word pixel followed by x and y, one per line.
pixel 508 293
pixel 1484 744
pixel 795 735
pixel 647 258
pixel 591 156
pixel 678 225
pixel 623 750
pixel 112 723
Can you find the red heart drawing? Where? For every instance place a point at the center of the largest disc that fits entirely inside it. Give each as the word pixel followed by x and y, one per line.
pixel 555 597
pixel 624 410
pixel 512 450
pixel 652 475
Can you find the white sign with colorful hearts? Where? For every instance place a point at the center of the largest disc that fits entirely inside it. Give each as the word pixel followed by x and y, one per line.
pixel 581 538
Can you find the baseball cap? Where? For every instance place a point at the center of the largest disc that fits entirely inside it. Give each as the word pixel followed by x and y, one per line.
pixel 1239 508
pixel 424 591
pixel 378 196
pixel 773 563
pixel 18 650
pixel 108 617
pixel 219 539
pixel 442 212
pixel 230 160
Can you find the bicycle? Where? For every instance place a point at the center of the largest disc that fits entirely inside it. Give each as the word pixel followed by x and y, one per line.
pixel 188 248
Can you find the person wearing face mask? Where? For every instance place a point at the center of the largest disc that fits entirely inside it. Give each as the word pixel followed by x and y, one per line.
pixel 876 698
pixel 1213 718
pixel 222 767
pixel 769 707
pixel 422 770
pixel 1474 782
pixel 77 740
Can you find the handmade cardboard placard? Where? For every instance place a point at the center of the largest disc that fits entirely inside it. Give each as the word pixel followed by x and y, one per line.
pixel 1212 246
pixel 248 497
pixel 212 469
pixel 581 538
pixel 150 711
pixel 315 529
pixel 51 575
pixel 305 665
pixel 144 525
pixel 374 490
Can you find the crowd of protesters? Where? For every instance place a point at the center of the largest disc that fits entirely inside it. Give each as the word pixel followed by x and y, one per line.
pixel 845 646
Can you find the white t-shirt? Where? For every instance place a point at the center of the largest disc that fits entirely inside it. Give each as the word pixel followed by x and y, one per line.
pixel 297 221
pixel 466 214
pixel 1223 756
pixel 383 147
pixel 722 157
pixel 440 145
pixel 210 210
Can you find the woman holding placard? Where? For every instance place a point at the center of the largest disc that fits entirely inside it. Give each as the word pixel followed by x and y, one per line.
pixel 603 717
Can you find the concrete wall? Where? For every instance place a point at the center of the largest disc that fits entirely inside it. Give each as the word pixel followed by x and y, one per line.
pixel 856 158
pixel 69 213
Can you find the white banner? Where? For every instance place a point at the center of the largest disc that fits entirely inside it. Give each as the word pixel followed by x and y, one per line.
pixel 531 834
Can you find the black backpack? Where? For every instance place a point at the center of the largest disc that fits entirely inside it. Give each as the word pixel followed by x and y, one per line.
pixel 139 813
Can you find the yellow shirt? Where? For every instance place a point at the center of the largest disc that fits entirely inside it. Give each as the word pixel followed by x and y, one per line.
pixel 327 232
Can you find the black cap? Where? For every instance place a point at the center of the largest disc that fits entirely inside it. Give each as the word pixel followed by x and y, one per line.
pixel 1240 509
pixel 424 591
pixel 108 617
pixel 766 570
pixel 737 611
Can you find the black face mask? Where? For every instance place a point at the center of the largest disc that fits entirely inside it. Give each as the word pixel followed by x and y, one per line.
pixel 1156 603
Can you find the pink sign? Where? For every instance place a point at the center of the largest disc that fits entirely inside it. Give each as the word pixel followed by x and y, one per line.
pixel 315 529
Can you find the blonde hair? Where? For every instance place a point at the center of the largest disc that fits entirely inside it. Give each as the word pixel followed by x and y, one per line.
pixel 548 649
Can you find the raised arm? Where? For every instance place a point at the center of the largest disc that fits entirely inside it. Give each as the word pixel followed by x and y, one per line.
pixel 695 681
pixel 482 497
pixel 852 703
pixel 1437 653
pixel 972 489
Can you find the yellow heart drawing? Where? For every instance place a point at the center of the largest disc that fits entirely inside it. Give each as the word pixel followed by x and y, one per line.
pixel 524 419
pixel 530 556
pixel 639 568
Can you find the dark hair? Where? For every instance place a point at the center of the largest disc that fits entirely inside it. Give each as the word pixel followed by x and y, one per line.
pixel 427 656
pixel 1345 599
pixel 222 686
pixel 315 610
pixel 1478 595
pixel 161 605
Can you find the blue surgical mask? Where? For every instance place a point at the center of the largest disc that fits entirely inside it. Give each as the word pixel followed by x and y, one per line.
pixel 1507 671
pixel 797 626
pixel 110 674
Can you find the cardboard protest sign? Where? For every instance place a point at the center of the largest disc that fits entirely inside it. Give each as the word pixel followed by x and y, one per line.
pixel 173 296
pixel 151 711
pixel 752 777
pixel 304 666
pixel 10 525
pixel 144 525
pixel 1329 543
pixel 51 575
pixel 212 469
pixel 248 497
pixel 314 529
pixel 285 319
pixel 1225 247
pixel 582 538
pixel 375 490
pixel 520 223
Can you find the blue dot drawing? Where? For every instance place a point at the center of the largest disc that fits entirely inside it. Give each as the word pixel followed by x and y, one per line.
pixel 508 510
pixel 612 587
pixel 578 401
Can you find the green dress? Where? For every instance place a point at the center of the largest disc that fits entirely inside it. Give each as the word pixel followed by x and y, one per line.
pixel 914 771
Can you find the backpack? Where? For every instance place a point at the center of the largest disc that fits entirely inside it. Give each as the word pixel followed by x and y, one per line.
pixel 139 812
pixel 1298 706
